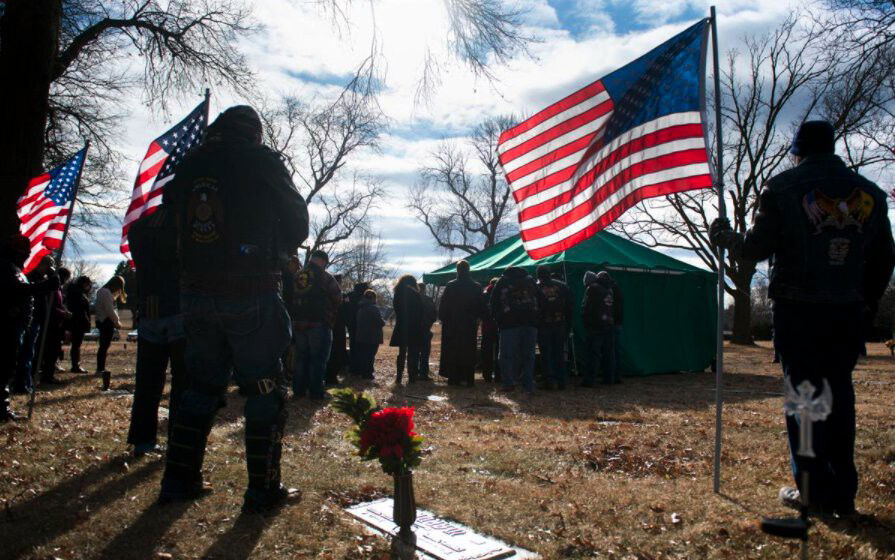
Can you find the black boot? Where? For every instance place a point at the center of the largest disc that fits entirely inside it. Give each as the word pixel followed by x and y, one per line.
pixel 187 439
pixel 264 446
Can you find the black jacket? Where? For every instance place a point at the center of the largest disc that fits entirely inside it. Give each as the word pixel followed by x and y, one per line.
pixel 557 303
pixel 78 304
pixel 369 323
pixel 828 231
pixel 461 302
pixel 515 300
pixel 239 214
pixel 409 328
pixel 153 244
pixel 597 306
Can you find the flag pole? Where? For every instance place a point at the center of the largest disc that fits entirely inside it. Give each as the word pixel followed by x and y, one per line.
pixel 722 212
pixel 35 366
pixel 207 106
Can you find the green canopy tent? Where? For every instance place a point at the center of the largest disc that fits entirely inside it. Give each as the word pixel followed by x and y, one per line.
pixel 670 315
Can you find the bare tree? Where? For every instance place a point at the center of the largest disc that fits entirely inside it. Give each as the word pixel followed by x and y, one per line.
pixel 364 260
pixel 73 64
pixel 317 142
pixel 782 77
pixel 466 206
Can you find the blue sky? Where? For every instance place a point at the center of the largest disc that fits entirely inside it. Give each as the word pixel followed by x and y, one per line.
pixel 580 40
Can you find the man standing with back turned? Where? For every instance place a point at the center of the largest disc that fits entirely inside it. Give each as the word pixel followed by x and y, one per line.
pixel 828 232
pixel 239 220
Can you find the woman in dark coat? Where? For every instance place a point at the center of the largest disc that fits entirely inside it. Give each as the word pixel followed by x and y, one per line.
pixel 409 335
pixel 78 303
pixel 460 310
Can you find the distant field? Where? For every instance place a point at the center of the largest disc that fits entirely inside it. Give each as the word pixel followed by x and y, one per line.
pixel 618 472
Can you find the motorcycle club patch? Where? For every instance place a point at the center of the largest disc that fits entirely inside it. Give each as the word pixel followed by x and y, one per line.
pixel 205 212
pixel 838 250
pixel 839 213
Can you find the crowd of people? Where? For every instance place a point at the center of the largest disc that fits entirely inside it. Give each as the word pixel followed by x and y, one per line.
pixel 223 295
pixel 47 307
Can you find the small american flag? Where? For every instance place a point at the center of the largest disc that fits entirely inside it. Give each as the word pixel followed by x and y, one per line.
pixel 45 208
pixel 159 164
pixel 637 133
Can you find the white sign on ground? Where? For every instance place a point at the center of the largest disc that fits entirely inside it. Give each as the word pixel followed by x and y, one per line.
pixel 438 538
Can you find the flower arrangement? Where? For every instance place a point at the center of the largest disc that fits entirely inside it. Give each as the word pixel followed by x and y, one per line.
pixel 385 434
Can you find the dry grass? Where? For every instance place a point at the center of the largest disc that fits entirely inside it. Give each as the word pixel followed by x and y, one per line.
pixel 619 472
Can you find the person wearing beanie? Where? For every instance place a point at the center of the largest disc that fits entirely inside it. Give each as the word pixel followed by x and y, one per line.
pixel 239 222
pixel 554 327
pixel 826 231
pixel 460 309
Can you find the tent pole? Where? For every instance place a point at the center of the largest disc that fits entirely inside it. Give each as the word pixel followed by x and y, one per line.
pixel 722 212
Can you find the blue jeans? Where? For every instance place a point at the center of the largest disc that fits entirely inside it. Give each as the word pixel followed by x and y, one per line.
pixel 818 342
pixel 23 381
pixel 517 357
pixel 552 340
pixel 601 354
pixel 245 335
pixel 312 348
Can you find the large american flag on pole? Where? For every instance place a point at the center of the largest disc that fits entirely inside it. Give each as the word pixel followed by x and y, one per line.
pixel 45 208
pixel 159 165
pixel 638 132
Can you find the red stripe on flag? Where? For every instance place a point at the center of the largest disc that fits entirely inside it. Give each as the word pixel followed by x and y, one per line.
pixel 562 128
pixel 660 189
pixel 586 92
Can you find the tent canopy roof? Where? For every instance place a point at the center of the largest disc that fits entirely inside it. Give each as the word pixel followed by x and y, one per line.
pixel 604 248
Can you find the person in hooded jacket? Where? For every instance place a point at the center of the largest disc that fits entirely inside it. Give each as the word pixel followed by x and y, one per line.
pixel 77 300
pixel 338 352
pixel 349 309
pixel 240 221
pixel 409 333
pixel 599 324
pixel 460 310
pixel 515 307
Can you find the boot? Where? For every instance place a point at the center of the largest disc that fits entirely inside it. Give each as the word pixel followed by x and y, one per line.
pixel 186 453
pixel 264 446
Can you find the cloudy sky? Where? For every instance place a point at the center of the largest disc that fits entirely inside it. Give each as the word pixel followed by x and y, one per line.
pixel 301 51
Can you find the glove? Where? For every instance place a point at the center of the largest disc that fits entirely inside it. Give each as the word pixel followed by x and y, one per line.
pixel 719 231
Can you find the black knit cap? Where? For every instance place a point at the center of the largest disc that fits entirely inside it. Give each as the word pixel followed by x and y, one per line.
pixel 239 121
pixel 813 137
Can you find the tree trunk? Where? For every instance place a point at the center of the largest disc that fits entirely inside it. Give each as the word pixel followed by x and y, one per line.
pixel 742 318
pixel 29 42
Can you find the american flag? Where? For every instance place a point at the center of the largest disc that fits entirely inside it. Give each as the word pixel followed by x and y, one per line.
pixel 45 207
pixel 159 164
pixel 638 132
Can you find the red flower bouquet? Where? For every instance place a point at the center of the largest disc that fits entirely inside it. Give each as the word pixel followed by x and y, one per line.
pixel 385 434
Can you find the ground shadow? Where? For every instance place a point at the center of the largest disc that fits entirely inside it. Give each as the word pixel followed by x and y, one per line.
pixel 141 537
pixel 238 542
pixel 41 519
pixel 880 533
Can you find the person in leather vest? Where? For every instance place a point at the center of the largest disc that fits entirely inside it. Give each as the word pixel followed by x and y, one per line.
pixel 316 299
pixel 239 220
pixel 554 327
pixel 827 233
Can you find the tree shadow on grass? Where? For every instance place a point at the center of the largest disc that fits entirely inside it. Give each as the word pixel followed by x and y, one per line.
pixel 41 519
pixel 140 539
pixel 238 542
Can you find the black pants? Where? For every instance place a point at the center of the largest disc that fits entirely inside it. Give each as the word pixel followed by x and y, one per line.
pixel 77 338
pixel 10 338
pixel 425 353
pixel 366 359
pixel 490 349
pixel 52 352
pixel 818 342
pixel 106 329
pixel 411 356
pixel 152 362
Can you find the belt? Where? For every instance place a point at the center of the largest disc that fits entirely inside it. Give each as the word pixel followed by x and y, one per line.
pixel 234 285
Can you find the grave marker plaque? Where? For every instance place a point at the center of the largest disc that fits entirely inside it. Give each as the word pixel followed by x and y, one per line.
pixel 436 537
